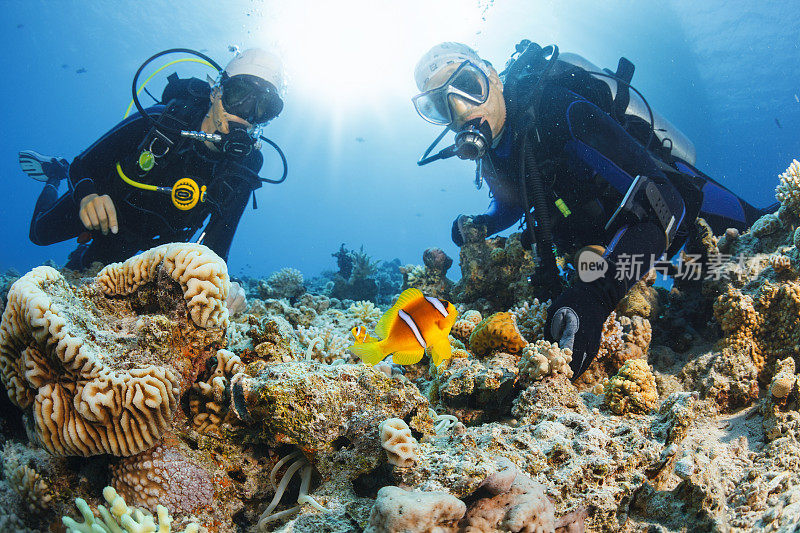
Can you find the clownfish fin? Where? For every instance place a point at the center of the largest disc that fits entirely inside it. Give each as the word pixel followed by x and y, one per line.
pixel 369 352
pixel 389 317
pixel 407 357
pixel 440 351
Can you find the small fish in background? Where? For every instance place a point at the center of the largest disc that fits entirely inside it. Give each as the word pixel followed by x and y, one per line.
pixel 413 324
pixel 64 66
pixel 80 71
pixel 796 99
pixel 360 139
pixel 234 49
pixel 777 123
pixel 360 335
pixel 20 26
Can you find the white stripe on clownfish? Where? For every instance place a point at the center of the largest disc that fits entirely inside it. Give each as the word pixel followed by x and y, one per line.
pixel 437 303
pixel 413 325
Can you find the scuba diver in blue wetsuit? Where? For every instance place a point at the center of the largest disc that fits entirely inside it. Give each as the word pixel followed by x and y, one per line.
pixel 160 175
pixel 579 155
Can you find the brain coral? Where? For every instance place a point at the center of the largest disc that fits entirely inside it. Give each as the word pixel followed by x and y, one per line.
pixel 498 332
pixel 633 389
pixel 203 276
pixel 84 402
pixel 396 439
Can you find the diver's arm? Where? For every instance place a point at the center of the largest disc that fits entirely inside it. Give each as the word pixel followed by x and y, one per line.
pixel 96 164
pixel 576 318
pixel 500 216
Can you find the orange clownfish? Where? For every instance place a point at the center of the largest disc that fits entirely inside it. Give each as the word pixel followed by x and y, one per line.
pixel 360 335
pixel 415 322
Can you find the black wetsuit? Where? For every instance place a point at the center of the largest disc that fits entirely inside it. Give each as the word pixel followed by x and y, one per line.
pixel 148 218
pixel 588 160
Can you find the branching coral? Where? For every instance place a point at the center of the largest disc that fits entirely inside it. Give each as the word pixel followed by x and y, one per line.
pixel 788 190
pixel 531 316
pixel 202 274
pixel 120 518
pixel 323 343
pixel 633 389
pixel 286 283
pixel 26 482
pixel 365 312
pixel 84 402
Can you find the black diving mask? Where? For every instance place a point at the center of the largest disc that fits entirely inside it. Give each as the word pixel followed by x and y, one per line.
pixel 251 98
pixel 472 141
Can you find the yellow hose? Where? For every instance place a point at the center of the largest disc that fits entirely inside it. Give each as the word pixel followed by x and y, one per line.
pixel 150 77
pixel 132 183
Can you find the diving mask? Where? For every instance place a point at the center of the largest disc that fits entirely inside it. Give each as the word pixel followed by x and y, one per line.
pixel 468 83
pixel 249 97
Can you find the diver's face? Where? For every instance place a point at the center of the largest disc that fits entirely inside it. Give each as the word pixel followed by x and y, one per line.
pixel 493 110
pixel 217 119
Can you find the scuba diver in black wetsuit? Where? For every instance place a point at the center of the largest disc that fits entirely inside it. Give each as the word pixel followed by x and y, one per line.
pixel 579 155
pixel 158 175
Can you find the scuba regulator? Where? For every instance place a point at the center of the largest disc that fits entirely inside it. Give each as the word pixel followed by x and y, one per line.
pixel 238 143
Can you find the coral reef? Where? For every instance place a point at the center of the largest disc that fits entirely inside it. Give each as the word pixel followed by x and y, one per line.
pixel 788 190
pixel 688 419
pixel 632 390
pixel 497 332
pixel 431 278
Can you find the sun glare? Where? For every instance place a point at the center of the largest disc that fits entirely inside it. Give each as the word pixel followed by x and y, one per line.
pixel 358 52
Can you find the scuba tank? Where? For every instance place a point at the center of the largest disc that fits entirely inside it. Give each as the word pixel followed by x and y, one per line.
pixel 669 136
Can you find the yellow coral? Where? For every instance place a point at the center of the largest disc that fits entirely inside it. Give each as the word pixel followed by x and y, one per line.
pixel 780 263
pixel 498 332
pixel 202 274
pixel 788 190
pixel 633 389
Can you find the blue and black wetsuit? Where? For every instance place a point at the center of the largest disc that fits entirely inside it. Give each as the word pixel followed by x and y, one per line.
pixel 589 161
pixel 148 218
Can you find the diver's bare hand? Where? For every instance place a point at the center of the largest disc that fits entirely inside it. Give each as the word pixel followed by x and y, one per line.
pixel 236 301
pixel 98 213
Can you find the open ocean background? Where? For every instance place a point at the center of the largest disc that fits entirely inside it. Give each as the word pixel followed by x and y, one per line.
pixel 724 72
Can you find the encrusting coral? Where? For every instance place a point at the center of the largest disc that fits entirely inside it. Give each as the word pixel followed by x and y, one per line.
pixel 497 332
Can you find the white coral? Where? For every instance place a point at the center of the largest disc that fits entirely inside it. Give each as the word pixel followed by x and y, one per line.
pixel 531 317
pixel 365 312
pixel 399 443
pixel 286 283
pixel 788 190
pixel 543 358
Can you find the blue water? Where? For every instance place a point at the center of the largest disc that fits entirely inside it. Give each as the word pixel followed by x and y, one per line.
pixel 724 72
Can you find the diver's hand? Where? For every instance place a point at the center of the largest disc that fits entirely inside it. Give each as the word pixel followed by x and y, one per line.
pixel 236 301
pixel 575 321
pixel 468 229
pixel 98 213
